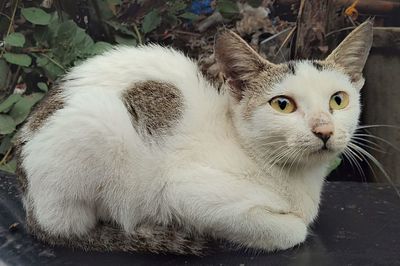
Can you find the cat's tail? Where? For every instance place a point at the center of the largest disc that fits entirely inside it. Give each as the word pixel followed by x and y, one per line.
pixel 107 237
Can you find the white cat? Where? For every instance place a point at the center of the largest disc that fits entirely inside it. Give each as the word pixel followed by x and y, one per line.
pixel 136 150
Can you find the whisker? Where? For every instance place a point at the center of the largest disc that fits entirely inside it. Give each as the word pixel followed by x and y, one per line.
pixel 362 151
pixel 347 157
pixel 377 125
pixel 368 141
pixel 353 157
pixel 369 165
pixel 367 146
pixel 301 151
pixel 378 138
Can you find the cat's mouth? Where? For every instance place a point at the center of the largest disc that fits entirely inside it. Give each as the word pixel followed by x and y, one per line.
pixel 322 150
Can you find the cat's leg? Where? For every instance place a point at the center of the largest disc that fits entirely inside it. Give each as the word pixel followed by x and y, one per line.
pixel 63 217
pixel 236 209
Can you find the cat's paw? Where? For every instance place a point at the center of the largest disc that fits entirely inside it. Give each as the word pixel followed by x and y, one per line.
pixel 294 234
pixel 284 231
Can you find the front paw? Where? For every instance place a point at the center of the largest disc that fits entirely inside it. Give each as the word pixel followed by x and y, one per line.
pixel 285 231
pixel 296 233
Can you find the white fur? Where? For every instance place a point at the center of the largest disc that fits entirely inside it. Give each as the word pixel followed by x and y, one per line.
pixel 212 174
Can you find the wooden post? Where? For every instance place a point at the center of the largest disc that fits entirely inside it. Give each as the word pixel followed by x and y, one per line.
pixel 311 28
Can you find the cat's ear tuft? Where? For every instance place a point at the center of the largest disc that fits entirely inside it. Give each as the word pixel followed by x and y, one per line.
pixel 353 51
pixel 239 63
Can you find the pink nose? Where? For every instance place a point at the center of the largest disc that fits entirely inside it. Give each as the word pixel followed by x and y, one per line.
pixel 324 132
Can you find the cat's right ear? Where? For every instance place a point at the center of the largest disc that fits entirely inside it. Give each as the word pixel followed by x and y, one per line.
pixel 351 54
pixel 239 63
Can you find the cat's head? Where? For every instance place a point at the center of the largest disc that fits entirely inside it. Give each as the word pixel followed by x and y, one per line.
pixel 303 111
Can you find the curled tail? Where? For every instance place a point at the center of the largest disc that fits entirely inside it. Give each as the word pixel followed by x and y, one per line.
pixel 108 237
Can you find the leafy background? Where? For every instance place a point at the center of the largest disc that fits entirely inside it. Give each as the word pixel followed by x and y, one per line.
pixel 41 40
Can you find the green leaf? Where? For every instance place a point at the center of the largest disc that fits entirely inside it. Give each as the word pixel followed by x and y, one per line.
pixel 83 43
pixel 104 9
pixel 227 7
pixel 7 124
pixel 9 102
pixel 100 47
pixel 255 3
pixel 43 86
pixel 4 71
pixel 16 39
pixel 36 16
pixel 151 21
pixel 5 144
pixel 18 59
pixel 114 2
pixel 66 30
pixel 23 107
pixel 189 16
pixel 125 41
pixel 9 167
pixel 176 6
pixel 52 70
pixel 71 43
pixel 334 164
pixel 170 19
pixel 121 28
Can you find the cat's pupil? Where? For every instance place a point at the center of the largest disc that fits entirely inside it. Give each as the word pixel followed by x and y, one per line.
pixel 338 100
pixel 282 104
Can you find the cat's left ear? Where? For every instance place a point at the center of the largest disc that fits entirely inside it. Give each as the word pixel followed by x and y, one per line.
pixel 353 51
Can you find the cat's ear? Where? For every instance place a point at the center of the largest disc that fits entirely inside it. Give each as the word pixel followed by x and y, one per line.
pixel 239 63
pixel 353 51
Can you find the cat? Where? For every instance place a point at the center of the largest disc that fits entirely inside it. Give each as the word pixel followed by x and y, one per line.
pixel 135 150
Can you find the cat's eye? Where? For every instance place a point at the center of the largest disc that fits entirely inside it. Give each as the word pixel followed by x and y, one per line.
pixel 339 100
pixel 283 104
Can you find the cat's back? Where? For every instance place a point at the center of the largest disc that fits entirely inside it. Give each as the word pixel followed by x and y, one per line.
pixel 112 107
pixel 152 86
pixel 121 67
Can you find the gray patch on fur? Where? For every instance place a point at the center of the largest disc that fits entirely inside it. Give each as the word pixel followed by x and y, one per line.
pixel 292 67
pixel 52 102
pixel 109 237
pixel 20 171
pixel 318 65
pixel 155 107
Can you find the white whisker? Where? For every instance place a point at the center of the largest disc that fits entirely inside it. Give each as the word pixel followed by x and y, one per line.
pixel 365 153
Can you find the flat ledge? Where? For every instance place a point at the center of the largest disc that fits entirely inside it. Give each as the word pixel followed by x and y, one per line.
pixel 358 225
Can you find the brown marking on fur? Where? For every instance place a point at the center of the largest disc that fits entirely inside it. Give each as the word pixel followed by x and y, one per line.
pixel 20 171
pixel 110 237
pixel 52 102
pixel 292 67
pixel 318 65
pixel 155 107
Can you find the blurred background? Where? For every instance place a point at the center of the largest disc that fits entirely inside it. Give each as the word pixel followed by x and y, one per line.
pixel 41 40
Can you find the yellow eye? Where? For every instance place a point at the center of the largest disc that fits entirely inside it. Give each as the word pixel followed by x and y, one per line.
pixel 339 100
pixel 283 104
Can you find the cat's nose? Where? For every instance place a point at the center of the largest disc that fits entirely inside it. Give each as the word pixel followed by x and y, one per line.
pixel 324 132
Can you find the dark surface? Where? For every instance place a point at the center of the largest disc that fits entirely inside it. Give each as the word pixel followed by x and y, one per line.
pixel 359 224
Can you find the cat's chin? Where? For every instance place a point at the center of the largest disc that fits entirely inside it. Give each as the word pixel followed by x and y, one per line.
pixel 322 155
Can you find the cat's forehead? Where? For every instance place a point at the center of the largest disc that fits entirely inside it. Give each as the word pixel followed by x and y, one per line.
pixel 314 72
pixel 295 66
pixel 312 76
